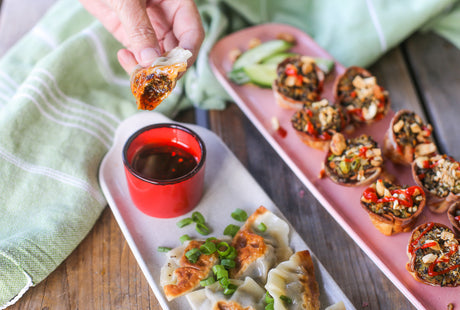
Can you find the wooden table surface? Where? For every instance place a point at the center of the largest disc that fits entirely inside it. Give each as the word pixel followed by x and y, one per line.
pixel 421 74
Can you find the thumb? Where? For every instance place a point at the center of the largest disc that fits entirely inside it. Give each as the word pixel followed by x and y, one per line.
pixel 140 35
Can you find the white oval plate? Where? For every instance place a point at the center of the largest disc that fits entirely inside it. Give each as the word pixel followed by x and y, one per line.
pixel 228 186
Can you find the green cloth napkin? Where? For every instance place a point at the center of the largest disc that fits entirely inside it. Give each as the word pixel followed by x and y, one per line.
pixel 63 94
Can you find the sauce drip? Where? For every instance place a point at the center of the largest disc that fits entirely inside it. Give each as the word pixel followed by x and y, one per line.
pixel 445 258
pixel 371 195
pixel 163 162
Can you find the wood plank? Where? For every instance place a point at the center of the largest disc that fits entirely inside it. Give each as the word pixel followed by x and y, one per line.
pixel 435 65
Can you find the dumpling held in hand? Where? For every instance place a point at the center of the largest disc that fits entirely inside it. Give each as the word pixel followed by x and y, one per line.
pixel 151 85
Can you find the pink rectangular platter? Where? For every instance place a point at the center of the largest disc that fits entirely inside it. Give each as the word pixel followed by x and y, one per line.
pixel 388 253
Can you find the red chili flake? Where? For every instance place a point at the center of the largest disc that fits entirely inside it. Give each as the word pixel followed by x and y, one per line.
pixel 290 70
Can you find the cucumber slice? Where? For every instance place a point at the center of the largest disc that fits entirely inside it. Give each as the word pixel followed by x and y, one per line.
pixel 238 76
pixel 260 52
pixel 261 74
pixel 326 65
pixel 277 58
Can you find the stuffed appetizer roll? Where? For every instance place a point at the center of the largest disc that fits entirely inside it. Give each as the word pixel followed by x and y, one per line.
pixel 434 256
pixel 408 137
pixel 353 162
pixel 439 176
pixel 299 82
pixel 315 125
pixel 454 217
pixel 392 208
pixel 358 93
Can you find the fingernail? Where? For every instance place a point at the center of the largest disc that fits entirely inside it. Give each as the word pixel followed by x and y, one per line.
pixel 148 55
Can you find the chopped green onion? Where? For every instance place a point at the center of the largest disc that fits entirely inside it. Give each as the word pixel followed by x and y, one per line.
pixel 269 301
pixel 193 255
pixel 163 249
pixel 268 298
pixel 202 229
pixel 344 167
pixel 270 306
pixel 239 215
pixel 224 282
pixel 231 230
pixel 220 272
pixel 224 249
pixel 286 299
pixel 208 248
pixel 230 289
pixel 262 227
pixel 228 263
pixel 211 239
pixel 197 217
pixel 207 281
pixel 331 157
pixel 184 238
pixel 184 222
pixel 233 253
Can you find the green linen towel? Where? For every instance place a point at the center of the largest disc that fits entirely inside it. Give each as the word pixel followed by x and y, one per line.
pixel 62 95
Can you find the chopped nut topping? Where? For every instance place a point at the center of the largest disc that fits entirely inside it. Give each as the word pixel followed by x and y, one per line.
pixel 338 144
pixel 286 37
pixel 380 188
pixel 254 42
pixel 234 53
pixel 424 149
pixel 435 247
pixel 398 126
pixel 429 258
pixel 445 235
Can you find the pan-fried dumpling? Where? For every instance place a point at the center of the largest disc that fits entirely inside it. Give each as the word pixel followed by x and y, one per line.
pixel 248 296
pixel 151 85
pixel 294 279
pixel 261 243
pixel 180 276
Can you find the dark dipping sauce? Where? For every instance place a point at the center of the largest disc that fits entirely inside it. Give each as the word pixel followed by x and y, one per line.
pixel 163 162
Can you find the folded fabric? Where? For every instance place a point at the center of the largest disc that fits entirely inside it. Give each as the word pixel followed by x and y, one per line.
pixel 63 94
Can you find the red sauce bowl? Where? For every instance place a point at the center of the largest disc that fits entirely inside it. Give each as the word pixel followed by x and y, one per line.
pixel 158 185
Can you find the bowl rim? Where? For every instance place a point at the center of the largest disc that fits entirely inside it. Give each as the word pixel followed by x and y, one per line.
pixel 153 181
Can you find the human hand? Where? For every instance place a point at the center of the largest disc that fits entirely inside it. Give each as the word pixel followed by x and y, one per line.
pixel 148 28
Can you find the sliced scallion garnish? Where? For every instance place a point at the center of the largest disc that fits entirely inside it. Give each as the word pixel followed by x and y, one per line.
pixel 184 238
pixel 262 227
pixel 239 215
pixel 197 217
pixel 163 249
pixel 230 289
pixel 207 281
pixel 224 249
pixel 184 222
pixel 202 229
pixel 286 299
pixel 231 230
pixel 208 248
pixel 228 263
pixel 220 272
pixel 193 255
